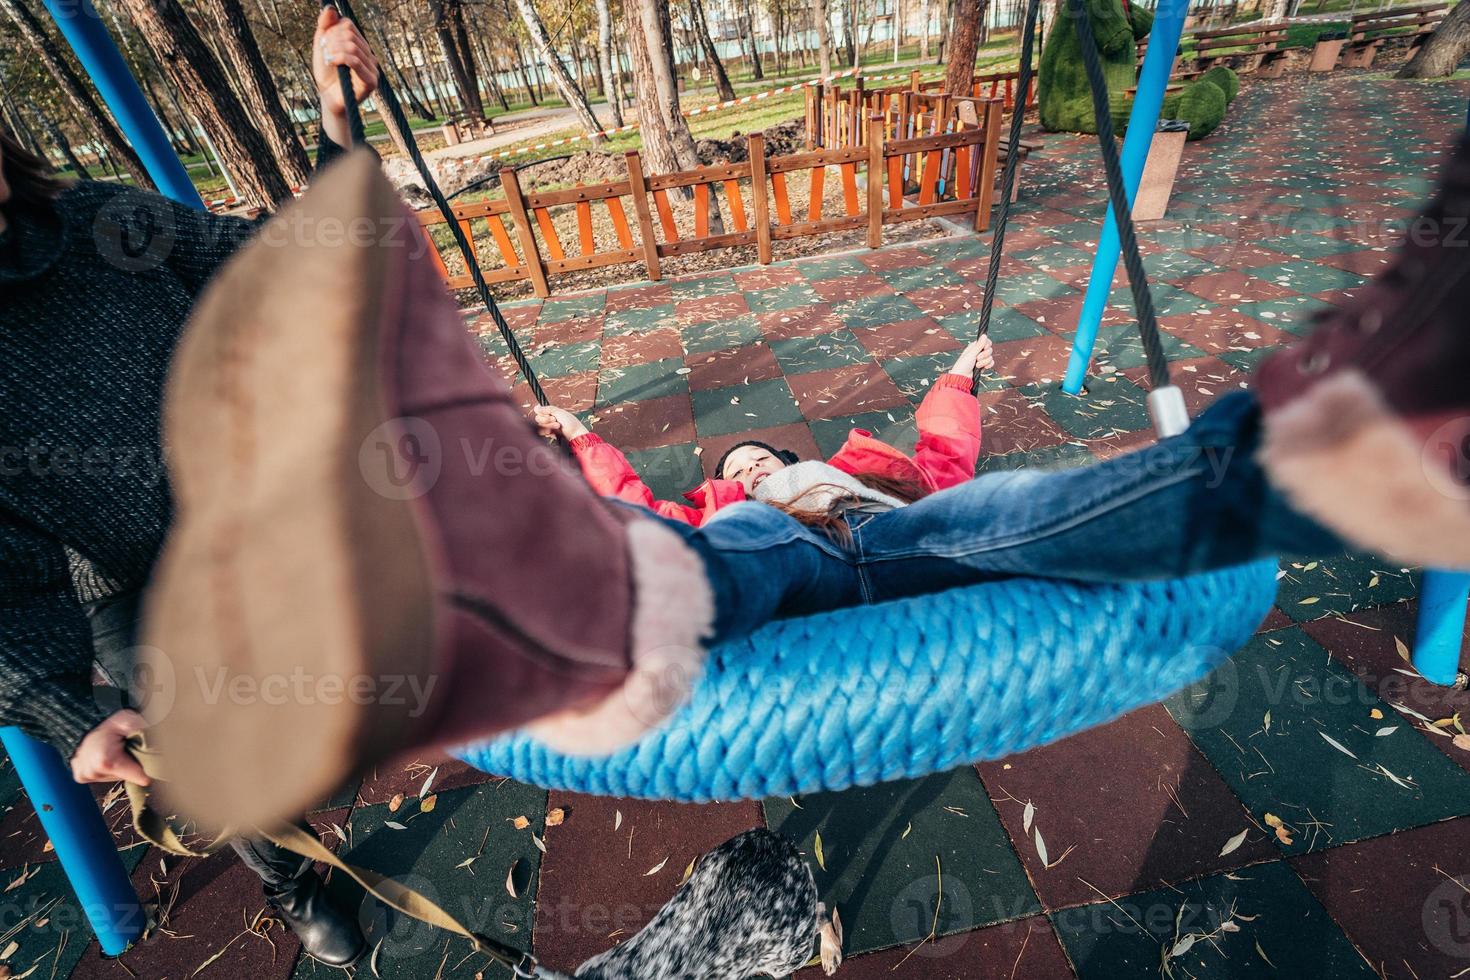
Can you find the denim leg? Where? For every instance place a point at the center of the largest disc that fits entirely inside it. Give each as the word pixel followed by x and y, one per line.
pixel 1190 503
pixel 763 564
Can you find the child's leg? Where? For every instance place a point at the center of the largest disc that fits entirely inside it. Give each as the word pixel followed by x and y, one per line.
pixel 1195 502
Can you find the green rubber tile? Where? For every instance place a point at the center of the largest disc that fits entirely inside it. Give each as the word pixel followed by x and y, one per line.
pixel 1276 929
pixel 638 320
pixel 669 471
pixel 1306 276
pixel 787 297
pixel 1006 323
pixel 564 359
pixel 875 311
pixel 553 310
pixel 816 270
pixel 916 375
pixel 1075 231
pixel 1017 288
pixel 54 938
pixel 702 287
pixel 1307 245
pixel 758 405
pixel 894 426
pixel 721 335
pixel 1246 360
pixel 892 853
pixel 1182 238
pixel 1106 408
pixel 922 277
pixel 828 350
pixel 1120 345
pixel 1056 256
pixel 655 379
pixel 1062 457
pixel 1341 584
pixel 433 853
pixel 1292 732
pixel 957 248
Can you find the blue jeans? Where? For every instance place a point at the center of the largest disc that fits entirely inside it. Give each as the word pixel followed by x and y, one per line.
pixel 1191 503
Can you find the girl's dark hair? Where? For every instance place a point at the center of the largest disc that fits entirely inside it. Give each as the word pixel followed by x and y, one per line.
pixel 32 182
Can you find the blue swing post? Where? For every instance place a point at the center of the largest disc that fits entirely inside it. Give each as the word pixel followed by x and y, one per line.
pixel 1443 597
pixel 1148 101
pixel 81 838
pixel 68 813
pixel 83 29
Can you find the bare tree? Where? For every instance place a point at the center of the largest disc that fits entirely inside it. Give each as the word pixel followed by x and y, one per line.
pixel 824 36
pixel 701 30
pixel 560 77
pixel 259 90
pixel 443 24
pixel 605 62
pixel 964 41
pixel 1443 51
pixel 667 143
pixel 197 75
pixel 80 96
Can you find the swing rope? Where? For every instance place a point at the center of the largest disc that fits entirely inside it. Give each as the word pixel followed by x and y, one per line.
pixel 395 110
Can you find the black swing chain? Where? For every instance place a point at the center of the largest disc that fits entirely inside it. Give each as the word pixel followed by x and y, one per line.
pixel 1148 325
pixel 1008 176
pixel 390 102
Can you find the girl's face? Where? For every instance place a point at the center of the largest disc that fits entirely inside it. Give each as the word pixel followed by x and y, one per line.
pixel 749 465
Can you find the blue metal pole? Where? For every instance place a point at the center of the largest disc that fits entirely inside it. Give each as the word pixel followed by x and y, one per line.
pixel 94 47
pixel 1443 597
pixel 1153 80
pixel 82 840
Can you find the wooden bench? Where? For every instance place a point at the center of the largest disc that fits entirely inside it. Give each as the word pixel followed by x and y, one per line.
pixel 1369 30
pixel 1255 48
pixel 1206 13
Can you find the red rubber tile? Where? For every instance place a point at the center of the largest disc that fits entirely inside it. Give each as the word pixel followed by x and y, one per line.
pixel 851 287
pixel 1033 359
pixel 737 365
pixel 1232 287
pixel 409 776
pixel 906 338
pixel 944 300
pixel 1403 899
pixel 1236 255
pixel 1025 949
pixel 1201 379
pixel 646 424
pixel 600 885
pixel 641 348
pixel 1368 262
pixel 843 391
pixel 1136 803
pixel 894 258
pixel 805 321
pixel 775 275
pixel 1009 423
pixel 1222 329
pixel 708 309
pixel 573 392
pixel 573 331
pixel 639 297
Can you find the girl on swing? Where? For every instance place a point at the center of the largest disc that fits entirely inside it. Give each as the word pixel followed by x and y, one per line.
pixel 360 499
pixel 865 475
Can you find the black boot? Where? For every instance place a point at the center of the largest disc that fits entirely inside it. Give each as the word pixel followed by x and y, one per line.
pixel 298 897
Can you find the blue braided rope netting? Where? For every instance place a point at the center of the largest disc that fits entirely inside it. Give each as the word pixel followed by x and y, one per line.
pixel 906 688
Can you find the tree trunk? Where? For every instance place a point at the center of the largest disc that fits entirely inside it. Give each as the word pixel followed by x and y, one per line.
pixel 526 78
pixel 259 91
pixel 964 41
pixel 199 79
pixel 897 25
pixel 667 144
pixel 560 77
pixel 701 31
pixel 1443 50
pixel 443 26
pixel 80 96
pixel 466 54
pixel 605 61
pixel 824 36
pixel 62 143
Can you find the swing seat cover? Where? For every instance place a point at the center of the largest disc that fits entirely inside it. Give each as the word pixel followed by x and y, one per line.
pixel 914 686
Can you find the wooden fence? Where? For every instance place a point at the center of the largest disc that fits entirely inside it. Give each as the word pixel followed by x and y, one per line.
pixel 834 115
pixel 923 176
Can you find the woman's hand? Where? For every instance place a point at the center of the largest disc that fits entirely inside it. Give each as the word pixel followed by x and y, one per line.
pixel 103 756
pixel 338 42
pixel 553 421
pixel 980 353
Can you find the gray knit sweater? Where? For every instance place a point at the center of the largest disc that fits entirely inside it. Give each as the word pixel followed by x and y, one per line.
pixel 93 295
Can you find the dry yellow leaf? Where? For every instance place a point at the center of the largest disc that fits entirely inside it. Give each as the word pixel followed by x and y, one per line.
pixel 555 817
pixel 1283 835
pixel 520 823
pixel 1376 714
pixel 1462 741
pixel 427 804
pixel 395 803
pixel 510 879
pixel 1402 648
pixel 1272 820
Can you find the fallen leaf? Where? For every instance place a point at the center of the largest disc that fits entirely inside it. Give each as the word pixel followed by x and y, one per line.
pixel 1310 600
pixel 1387 730
pixel 395 803
pixel 1040 847
pixel 688 871
pixel 617 819
pixel 1183 945
pixel 424 789
pixel 1234 842
pixel 1283 835
pixel 655 869
pixel 1376 714
pixel 540 844
pixel 394 825
pixel 555 817
pixel 1462 741
pixel 1027 815
pixel 467 861
pixel 821 859
pixel 1337 745
pixel 1402 648
pixel 428 803
pixel 1272 820
pixel 520 823
pixel 510 879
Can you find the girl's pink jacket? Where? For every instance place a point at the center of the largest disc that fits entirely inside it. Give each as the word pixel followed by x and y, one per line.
pixel 949 443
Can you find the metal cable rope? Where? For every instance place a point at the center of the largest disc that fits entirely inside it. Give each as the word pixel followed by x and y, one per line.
pixel 390 102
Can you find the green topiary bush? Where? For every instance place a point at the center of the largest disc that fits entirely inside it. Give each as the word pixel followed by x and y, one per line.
pixel 1228 81
pixel 1063 96
pixel 1202 105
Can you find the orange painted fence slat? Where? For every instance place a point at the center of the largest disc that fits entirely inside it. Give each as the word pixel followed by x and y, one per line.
pixel 620 221
pixel 737 206
pixel 701 210
pixel 666 216
pixel 502 239
pixel 548 234
pixel 895 182
pixel 783 202
pixel 585 238
pixel 814 206
pixel 849 188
